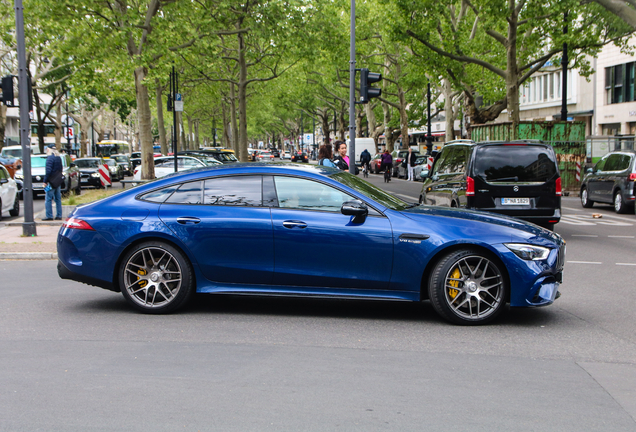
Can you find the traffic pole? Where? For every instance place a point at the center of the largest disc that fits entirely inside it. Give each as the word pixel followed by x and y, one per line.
pixel 352 92
pixel 28 226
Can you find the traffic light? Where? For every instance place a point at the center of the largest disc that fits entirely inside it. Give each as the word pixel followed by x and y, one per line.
pixel 7 90
pixel 366 79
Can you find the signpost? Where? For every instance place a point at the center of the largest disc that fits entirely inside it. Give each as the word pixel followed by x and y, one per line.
pixel 178 102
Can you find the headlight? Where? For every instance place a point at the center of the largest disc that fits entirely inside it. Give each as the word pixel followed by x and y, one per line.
pixel 113 169
pixel 95 175
pixel 528 252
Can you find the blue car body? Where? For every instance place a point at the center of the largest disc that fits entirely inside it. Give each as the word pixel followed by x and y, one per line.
pixel 235 249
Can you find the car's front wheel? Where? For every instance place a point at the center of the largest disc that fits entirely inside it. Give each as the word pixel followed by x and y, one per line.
pixel 619 204
pixel 156 278
pixel 585 199
pixel 468 287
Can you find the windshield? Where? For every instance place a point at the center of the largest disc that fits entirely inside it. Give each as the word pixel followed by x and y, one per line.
pixel 514 163
pixel 120 158
pixel 209 161
pixel 87 163
pixel 110 162
pixel 371 191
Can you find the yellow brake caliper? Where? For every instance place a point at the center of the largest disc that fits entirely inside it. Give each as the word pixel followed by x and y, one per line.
pixel 452 292
pixel 143 283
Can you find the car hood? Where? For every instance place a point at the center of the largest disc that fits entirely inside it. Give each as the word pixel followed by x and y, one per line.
pixel 531 229
pixel 88 170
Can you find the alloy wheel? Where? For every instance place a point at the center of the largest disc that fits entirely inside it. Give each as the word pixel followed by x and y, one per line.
pixel 474 288
pixel 153 277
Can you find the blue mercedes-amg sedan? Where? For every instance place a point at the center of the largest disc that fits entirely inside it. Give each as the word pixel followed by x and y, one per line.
pixel 284 229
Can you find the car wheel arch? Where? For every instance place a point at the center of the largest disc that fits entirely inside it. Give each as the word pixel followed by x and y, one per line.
pixel 139 240
pixel 441 253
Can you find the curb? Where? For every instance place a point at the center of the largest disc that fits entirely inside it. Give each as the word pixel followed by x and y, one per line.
pixel 28 255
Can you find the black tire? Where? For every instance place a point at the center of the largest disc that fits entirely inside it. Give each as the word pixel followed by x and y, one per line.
pixel 585 200
pixel 465 280
pixel 168 283
pixel 15 211
pixel 619 204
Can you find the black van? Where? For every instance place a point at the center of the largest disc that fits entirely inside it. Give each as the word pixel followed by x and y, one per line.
pixel 516 178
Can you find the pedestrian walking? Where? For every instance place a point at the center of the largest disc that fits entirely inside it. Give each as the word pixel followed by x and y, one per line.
pixel 53 183
pixel 410 164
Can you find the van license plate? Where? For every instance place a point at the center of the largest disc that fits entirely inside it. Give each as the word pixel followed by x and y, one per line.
pixel 515 201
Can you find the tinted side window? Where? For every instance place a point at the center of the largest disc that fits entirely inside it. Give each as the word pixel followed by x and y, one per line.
pixel 308 195
pixel 600 165
pixel 613 162
pixel 188 193
pixel 233 191
pixel 457 160
pixel 3 174
pixel 625 162
pixel 446 161
pixel 160 195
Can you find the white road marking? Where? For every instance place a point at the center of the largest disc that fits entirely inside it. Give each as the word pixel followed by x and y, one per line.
pixel 584 262
pixel 620 236
pixel 589 220
pixel 573 209
pixel 583 235
pixel 626 264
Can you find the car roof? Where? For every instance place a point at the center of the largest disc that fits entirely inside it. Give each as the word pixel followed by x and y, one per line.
pixel 624 151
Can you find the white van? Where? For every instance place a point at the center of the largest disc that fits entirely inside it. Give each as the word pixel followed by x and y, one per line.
pixel 361 144
pixel 14 151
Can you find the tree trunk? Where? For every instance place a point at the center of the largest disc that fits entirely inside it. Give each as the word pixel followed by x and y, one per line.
pixel 58 125
pixel 225 138
pixel 145 125
pixel 160 124
pixel 196 135
pixel 234 130
pixel 3 123
pixel 448 109
pixel 190 134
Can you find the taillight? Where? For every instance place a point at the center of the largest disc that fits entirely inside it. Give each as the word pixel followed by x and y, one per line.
pixel 632 176
pixel 470 186
pixel 558 186
pixel 77 224
pixel 398 160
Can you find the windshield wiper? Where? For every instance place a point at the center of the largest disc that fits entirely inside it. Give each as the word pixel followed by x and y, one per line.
pixel 505 179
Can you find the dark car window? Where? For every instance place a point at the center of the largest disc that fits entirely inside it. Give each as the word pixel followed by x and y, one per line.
pixel 308 195
pixel 371 191
pixel 188 193
pixel 443 165
pixel 514 163
pixel 600 165
pixel 613 162
pixel 87 163
pixel 457 160
pixel 2 173
pixel 160 195
pixel 625 162
pixel 233 191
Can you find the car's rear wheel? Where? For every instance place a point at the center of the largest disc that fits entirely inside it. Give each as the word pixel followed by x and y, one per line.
pixel 468 287
pixel 156 278
pixel 15 211
pixel 619 204
pixel 585 199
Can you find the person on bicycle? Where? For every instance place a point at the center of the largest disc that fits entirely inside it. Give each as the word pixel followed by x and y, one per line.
pixel 365 158
pixel 387 161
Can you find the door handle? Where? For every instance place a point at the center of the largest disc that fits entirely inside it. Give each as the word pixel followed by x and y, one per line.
pixel 188 220
pixel 294 224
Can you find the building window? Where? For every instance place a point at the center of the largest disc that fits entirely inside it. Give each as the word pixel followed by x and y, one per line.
pixel 619 83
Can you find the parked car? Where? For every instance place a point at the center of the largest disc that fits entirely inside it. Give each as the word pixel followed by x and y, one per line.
pixel 70 173
pixel 286 155
pixel 611 181
pixel 15 151
pixel 222 155
pixel 116 170
pixel 9 197
pixel 124 161
pixel 165 165
pixel 300 157
pixel 517 178
pixel 403 169
pixel 155 244
pixel 264 156
pixel 398 156
pixel 89 171
pixel 275 152
pixel 376 163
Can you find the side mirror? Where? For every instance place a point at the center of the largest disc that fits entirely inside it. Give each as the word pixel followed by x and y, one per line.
pixel 3 181
pixel 590 170
pixel 357 209
pixel 424 174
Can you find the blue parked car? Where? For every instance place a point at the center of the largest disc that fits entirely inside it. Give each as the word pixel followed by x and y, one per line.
pixel 284 229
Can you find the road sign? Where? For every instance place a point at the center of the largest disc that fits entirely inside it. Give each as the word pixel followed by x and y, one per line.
pixel 68 119
pixel 69 133
pixel 104 175
pixel 178 102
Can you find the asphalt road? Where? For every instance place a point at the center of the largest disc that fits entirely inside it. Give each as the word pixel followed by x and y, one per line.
pixel 77 358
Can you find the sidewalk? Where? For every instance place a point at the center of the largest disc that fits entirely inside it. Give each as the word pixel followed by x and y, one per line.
pixel 14 246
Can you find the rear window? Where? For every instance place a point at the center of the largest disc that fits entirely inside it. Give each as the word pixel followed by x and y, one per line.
pixel 514 163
